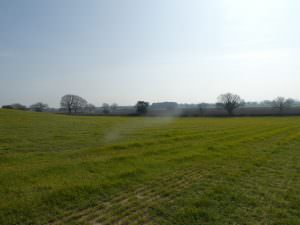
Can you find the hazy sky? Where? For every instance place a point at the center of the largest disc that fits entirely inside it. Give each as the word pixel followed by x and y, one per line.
pixel 155 50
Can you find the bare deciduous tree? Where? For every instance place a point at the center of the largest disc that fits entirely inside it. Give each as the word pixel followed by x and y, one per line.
pixel 39 107
pixel 281 104
pixel 114 107
pixel 72 103
pixel 230 102
pixel 142 107
pixel 106 108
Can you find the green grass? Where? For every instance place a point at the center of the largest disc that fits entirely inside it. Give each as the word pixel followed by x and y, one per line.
pixel 57 169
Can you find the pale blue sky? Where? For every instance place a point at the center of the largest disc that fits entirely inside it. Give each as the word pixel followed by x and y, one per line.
pixel 125 50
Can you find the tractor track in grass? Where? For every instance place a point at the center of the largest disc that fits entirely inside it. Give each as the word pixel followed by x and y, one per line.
pixel 132 207
pixel 135 203
pixel 146 171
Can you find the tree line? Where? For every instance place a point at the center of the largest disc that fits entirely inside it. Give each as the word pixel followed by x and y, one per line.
pixel 73 104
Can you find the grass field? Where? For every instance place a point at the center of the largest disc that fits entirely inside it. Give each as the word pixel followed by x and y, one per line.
pixel 57 169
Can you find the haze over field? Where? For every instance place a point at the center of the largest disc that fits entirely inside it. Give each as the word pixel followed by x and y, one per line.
pixel 122 51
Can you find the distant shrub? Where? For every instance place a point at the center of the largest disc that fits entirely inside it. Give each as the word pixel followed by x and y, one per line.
pixel 15 106
pixel 7 107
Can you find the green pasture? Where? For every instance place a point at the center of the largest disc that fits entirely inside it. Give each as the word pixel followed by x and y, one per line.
pixel 58 169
